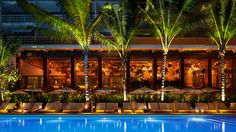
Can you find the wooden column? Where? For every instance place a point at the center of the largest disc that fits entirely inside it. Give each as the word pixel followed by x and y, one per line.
pixel 99 72
pixel 182 71
pixel 234 76
pixel 45 73
pixel 18 67
pixel 209 71
pixel 154 72
pixel 128 74
pixel 72 72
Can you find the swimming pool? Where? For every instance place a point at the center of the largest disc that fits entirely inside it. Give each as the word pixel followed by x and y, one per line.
pixel 117 123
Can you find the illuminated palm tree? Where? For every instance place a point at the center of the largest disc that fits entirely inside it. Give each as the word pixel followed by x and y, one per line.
pixel 80 28
pixel 118 22
pixel 168 18
pixel 221 23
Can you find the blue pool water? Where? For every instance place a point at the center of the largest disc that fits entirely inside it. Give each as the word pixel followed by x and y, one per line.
pixel 117 123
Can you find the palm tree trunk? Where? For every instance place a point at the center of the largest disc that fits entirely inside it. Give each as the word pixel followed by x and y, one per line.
pixel 163 75
pixel 222 71
pixel 86 74
pixel 124 61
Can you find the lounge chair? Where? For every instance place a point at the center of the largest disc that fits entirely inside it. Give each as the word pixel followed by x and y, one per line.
pixel 184 108
pixel 127 107
pixel 232 107
pixel 3 107
pixel 100 107
pixel 140 107
pixel 73 107
pixel 221 107
pixel 153 107
pixel 36 107
pixel 51 108
pixel 111 107
pixel 166 107
pixel 25 107
pixel 11 107
pixel 211 108
pixel 201 107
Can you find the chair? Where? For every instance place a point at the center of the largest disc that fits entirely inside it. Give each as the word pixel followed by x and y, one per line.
pixel 221 107
pixel 51 108
pixel 184 108
pixel 3 107
pixel 201 107
pixel 73 108
pixel 25 107
pixel 127 107
pixel 140 107
pixel 232 107
pixel 36 107
pixel 211 108
pixel 153 107
pixel 111 107
pixel 166 107
pixel 11 107
pixel 100 107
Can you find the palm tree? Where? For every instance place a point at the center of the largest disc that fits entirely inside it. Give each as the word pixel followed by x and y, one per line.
pixel 8 73
pixel 8 49
pixel 221 23
pixel 122 30
pixel 168 19
pixel 80 28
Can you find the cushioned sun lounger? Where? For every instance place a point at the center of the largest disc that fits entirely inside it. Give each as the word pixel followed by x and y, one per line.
pixel 25 107
pixel 36 107
pixel 51 108
pixel 3 107
pixel 73 107
pixel 140 107
pixel 211 108
pixel 221 107
pixel 127 107
pixel 184 108
pixel 100 107
pixel 153 107
pixel 201 107
pixel 165 107
pixel 232 107
pixel 111 107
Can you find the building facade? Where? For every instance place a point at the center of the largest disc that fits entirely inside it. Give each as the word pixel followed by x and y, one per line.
pixel 50 64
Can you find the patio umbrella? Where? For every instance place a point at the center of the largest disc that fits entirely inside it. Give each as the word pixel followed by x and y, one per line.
pixel 209 90
pixel 143 90
pixel 191 91
pixel 105 91
pixel 54 92
pixel 170 89
pixel 66 90
pixel 20 91
pixel 32 91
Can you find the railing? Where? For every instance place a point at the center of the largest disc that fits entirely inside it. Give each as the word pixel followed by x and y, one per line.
pixel 17 18
pixel 25 18
pixel 39 40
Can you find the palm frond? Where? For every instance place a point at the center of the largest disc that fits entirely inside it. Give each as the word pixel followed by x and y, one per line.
pixel 221 21
pixel 106 41
pixel 43 16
